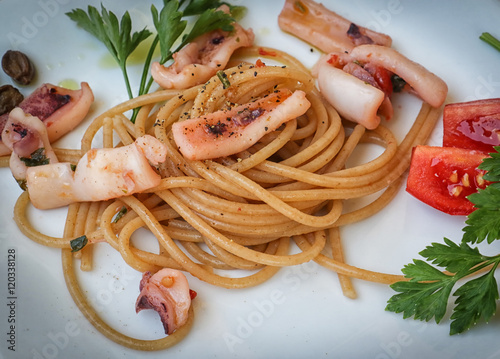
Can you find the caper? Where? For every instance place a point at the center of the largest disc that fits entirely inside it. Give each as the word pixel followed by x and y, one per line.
pixel 18 66
pixel 10 97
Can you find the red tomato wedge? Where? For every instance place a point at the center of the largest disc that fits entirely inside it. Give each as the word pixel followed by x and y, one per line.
pixel 474 125
pixel 443 177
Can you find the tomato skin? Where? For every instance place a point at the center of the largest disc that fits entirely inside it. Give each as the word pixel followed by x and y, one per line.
pixel 473 125
pixel 443 177
pixel 383 78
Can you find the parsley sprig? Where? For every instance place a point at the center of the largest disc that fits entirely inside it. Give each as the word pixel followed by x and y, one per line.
pixel 431 282
pixel 116 35
pixel 170 23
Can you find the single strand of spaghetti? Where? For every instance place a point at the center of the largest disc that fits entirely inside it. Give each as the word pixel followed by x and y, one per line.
pixel 81 219
pixel 338 254
pixel 79 230
pixel 90 227
pixel 348 270
pixel 71 219
pixel 29 231
pixel 150 122
pixel 141 120
pixel 232 247
pixel 67 155
pixel 73 225
pixel 112 334
pixel 107 133
pixel 4 161
pixel 194 268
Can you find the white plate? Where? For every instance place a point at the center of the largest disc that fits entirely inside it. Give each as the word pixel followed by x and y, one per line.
pixel 301 311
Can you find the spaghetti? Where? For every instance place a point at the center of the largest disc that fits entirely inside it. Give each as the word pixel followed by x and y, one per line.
pixel 243 212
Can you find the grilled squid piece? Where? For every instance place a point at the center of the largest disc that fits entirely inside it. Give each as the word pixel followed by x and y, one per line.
pixel 354 99
pixel 167 291
pixel 429 87
pixel 359 83
pixel 26 137
pixel 101 174
pixel 323 28
pixel 60 109
pixel 227 132
pixel 197 62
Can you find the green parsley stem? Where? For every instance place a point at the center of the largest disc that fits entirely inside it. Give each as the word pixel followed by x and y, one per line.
pixel 147 64
pixel 490 40
pixel 143 88
pixel 123 67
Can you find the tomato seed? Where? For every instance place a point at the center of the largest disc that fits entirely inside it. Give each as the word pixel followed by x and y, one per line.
pixel 465 180
pixel 454 177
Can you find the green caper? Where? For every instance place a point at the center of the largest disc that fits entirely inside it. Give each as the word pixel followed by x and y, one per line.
pixel 18 66
pixel 10 97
